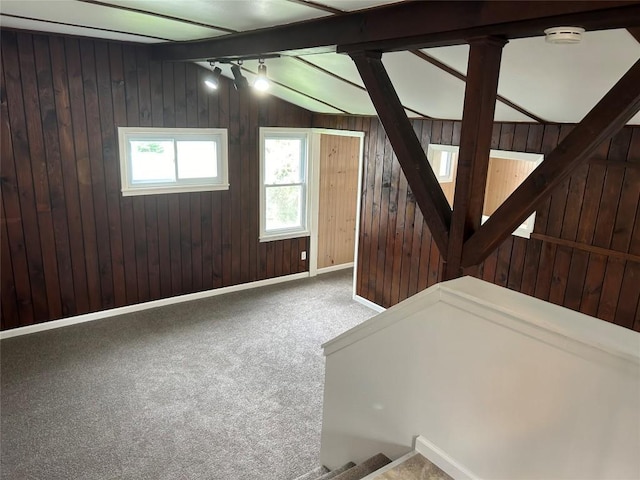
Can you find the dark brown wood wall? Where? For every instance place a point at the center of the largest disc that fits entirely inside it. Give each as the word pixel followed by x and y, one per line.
pixel 71 244
pixel 584 254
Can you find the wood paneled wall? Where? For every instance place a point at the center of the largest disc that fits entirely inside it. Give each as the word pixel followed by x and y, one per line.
pixel 584 254
pixel 503 177
pixel 339 158
pixel 71 244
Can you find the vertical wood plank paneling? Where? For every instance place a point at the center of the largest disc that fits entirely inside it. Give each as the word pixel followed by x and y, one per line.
pixel 381 256
pixel 111 170
pixel 36 49
pixel 253 185
pixel 567 276
pixel 9 312
pixel 83 166
pixel 40 182
pixel 337 199
pixel 118 96
pixel 235 173
pixel 223 248
pixel 246 217
pixel 12 217
pixel 534 247
pixel 367 209
pixel 147 228
pixel 75 244
pixel 133 109
pixel 70 177
pixel 94 138
pixel 394 206
pixel 376 211
pixel 162 206
pixel 70 242
pixel 183 200
pixel 586 228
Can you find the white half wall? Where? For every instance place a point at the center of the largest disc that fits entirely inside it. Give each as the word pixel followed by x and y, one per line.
pixel 505 385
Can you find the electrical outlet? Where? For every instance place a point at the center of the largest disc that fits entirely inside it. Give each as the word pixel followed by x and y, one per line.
pixel 303 255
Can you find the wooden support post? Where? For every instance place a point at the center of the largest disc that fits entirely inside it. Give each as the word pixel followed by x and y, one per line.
pixel 413 161
pixel 611 113
pixel 475 143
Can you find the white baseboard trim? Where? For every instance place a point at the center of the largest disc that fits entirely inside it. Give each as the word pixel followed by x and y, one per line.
pixel 368 303
pixel 89 317
pixel 439 458
pixel 334 268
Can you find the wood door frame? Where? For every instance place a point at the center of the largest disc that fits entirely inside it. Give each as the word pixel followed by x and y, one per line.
pixel 315 194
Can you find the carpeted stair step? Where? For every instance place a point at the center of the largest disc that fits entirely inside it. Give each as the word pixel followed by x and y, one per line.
pixel 314 474
pixel 334 473
pixel 365 468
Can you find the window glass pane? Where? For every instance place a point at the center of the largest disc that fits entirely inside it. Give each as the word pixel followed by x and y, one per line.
pixel 282 160
pixel 445 164
pixel 284 207
pixel 152 161
pixel 197 159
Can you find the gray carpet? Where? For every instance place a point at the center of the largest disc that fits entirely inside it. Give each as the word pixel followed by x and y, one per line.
pixel 228 387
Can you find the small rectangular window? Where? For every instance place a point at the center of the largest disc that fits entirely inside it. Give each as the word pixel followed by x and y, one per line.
pixel 506 171
pixel 442 162
pixel 172 160
pixel 284 184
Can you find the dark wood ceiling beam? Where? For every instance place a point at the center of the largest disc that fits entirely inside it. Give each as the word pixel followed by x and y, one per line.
pixel 475 144
pixel 435 23
pixel 611 113
pixel 452 71
pixel 413 161
pixel 597 19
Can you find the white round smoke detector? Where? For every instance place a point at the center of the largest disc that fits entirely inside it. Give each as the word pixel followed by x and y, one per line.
pixel 563 34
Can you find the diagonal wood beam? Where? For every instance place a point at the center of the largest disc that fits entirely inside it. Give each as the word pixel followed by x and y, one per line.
pixel 475 144
pixel 420 177
pixel 611 113
pixel 434 23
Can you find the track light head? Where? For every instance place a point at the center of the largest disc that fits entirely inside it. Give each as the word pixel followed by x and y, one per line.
pixel 261 83
pixel 239 80
pixel 212 80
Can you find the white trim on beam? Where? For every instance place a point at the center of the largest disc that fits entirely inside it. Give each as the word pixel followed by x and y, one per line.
pixel 89 317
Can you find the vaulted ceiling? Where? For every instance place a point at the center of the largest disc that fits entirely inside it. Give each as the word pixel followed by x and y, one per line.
pixel 538 81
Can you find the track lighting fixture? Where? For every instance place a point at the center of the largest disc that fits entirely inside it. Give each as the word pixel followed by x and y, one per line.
pixel 239 81
pixel 212 80
pixel 261 83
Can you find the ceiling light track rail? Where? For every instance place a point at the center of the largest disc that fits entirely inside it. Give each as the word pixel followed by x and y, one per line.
pixel 245 58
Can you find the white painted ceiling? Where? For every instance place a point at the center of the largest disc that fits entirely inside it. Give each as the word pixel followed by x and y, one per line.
pixel 558 83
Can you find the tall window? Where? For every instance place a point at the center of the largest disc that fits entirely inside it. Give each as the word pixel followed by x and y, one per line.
pixel 172 160
pixel 284 189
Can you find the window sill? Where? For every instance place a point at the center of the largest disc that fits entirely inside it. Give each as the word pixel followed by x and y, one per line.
pixel 130 192
pixel 283 236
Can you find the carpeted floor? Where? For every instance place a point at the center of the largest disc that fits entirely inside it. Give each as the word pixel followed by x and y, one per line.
pixel 228 387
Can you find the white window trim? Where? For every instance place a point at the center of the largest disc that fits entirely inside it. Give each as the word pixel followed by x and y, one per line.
pixel 128 189
pixel 526 229
pixel 284 234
